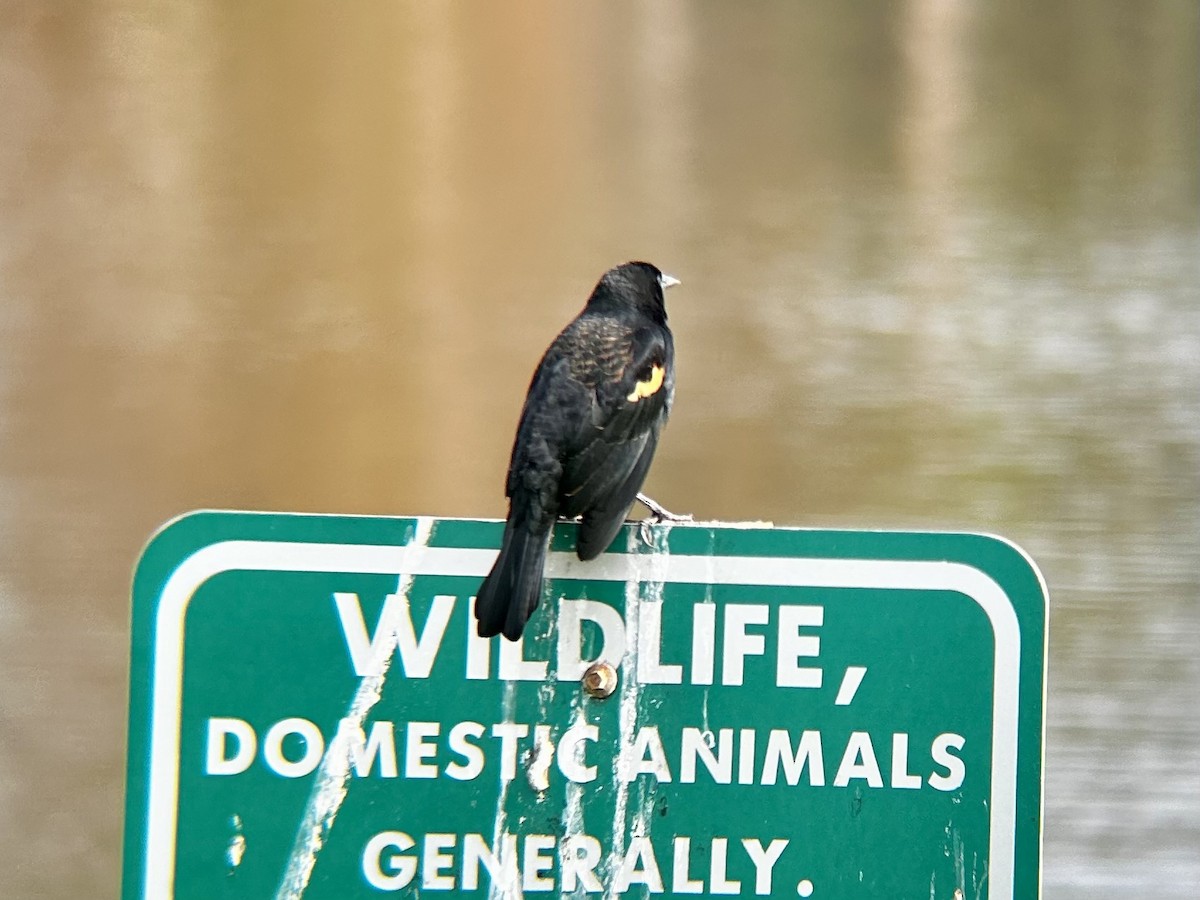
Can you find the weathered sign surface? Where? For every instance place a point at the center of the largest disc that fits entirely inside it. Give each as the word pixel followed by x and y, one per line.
pixel 796 713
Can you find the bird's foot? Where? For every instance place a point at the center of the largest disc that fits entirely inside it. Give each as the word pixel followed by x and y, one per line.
pixel 658 513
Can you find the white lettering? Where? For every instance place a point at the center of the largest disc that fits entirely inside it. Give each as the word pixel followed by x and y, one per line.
pixel 509 733
pixel 434 862
pixel 849 686
pixel 639 867
pixel 793 645
pixel 479 649
pixel 746 756
pixel 501 868
pixel 738 643
pixel 571 616
pixel 350 746
pixel 473 760
pixel 571 752
pixel 370 655
pixel 417 749
pixel 764 861
pixel 956 772
pixel 634 761
pixel 719 884
pixel 681 883
pixel 692 746
pixel 401 869
pixel 580 854
pixel 515 667
pixel 704 647
pixel 858 762
pixel 216 762
pixel 294 747
pixel 650 668
pixel 314 747
pixel 535 863
pixel 779 751
pixel 901 778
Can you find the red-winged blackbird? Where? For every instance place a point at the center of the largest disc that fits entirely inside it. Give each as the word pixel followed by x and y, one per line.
pixel 587 434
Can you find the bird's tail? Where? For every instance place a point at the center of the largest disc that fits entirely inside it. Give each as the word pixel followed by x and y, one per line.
pixel 511 591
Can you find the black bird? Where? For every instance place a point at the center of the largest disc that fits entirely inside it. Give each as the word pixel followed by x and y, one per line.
pixel 595 407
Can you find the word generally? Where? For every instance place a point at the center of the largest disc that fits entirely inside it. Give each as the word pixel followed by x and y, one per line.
pixel 452 862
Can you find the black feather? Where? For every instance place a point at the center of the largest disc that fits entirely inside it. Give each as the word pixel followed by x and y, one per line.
pixel 586 438
pixel 512 590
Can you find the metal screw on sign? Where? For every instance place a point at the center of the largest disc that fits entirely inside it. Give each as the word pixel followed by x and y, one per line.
pixel 600 680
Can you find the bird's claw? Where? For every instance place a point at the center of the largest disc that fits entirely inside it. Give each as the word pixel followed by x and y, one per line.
pixel 658 514
pixel 645 533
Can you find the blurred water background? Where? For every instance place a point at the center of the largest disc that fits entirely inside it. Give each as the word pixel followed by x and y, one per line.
pixel 941 265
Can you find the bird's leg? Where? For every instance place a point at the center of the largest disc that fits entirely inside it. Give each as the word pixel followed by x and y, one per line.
pixel 658 513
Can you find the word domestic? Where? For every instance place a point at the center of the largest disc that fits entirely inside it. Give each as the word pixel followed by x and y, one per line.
pixel 465 751
pixel 746 630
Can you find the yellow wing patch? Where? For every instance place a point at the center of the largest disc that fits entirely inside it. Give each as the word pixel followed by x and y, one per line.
pixel 648 387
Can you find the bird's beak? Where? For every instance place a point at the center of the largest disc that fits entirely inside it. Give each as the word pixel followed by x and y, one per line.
pixel 667 281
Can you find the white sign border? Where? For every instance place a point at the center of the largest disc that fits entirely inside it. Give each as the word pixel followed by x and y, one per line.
pixel 413 559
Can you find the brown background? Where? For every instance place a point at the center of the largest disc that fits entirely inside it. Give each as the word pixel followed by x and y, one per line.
pixel 940 270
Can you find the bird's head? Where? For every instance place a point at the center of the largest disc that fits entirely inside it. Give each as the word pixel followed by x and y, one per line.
pixel 635 285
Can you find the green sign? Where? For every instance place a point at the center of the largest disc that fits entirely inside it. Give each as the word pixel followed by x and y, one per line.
pixel 792 713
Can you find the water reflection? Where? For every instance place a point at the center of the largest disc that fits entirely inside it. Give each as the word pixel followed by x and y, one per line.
pixel 940 266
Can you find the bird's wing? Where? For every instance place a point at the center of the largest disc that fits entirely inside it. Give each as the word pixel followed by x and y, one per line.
pixel 603 520
pixel 556 407
pixel 611 453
